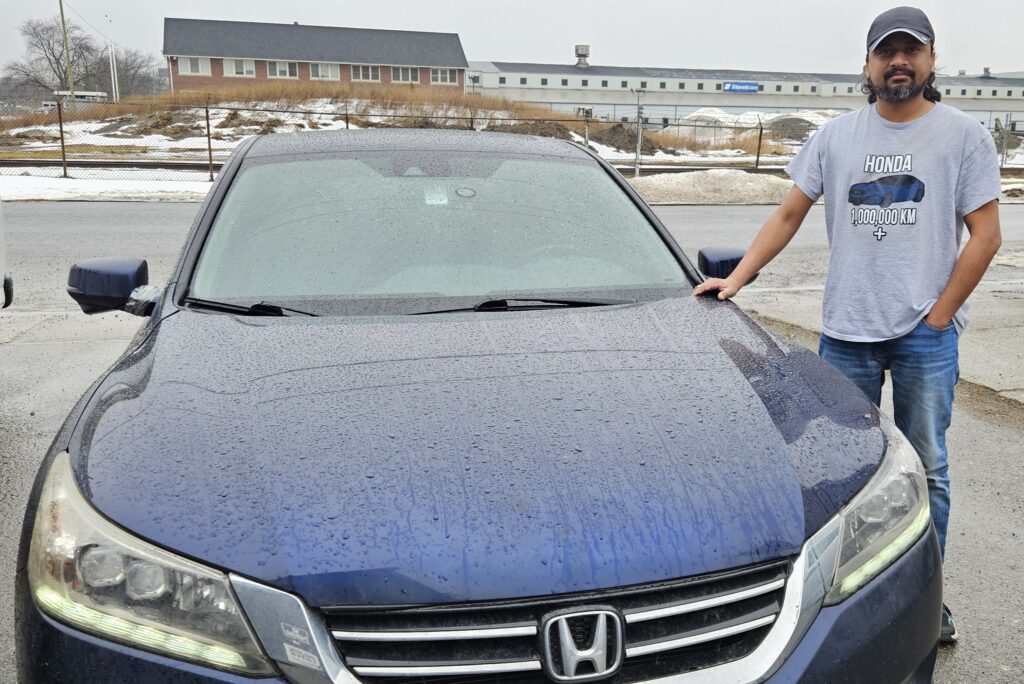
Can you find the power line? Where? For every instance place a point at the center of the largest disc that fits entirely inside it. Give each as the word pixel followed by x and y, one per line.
pixel 87 23
pixel 110 50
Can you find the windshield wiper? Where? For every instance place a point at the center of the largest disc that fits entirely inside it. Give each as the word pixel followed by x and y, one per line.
pixel 530 304
pixel 258 309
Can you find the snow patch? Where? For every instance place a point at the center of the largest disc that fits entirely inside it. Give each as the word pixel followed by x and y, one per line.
pixel 718 186
pixel 714 115
pixel 24 188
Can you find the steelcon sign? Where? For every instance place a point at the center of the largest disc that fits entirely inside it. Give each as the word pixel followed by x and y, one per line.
pixel 739 87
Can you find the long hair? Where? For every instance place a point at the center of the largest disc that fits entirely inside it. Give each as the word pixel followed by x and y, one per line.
pixel 931 93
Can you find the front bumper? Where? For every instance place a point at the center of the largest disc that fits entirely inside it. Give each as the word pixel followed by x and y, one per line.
pixel 886 632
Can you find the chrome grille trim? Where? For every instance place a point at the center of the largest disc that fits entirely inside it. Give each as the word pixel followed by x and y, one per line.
pixel 672 644
pixel 266 607
pixel 442 670
pixel 666 626
pixel 703 604
pixel 437 634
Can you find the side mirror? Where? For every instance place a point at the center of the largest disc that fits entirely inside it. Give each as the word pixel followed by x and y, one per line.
pixel 720 262
pixel 106 284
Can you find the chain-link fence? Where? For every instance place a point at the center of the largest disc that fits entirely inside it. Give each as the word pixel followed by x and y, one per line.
pixel 152 140
pixel 1009 143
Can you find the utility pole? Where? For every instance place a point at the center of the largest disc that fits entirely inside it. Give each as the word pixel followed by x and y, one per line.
pixel 639 128
pixel 117 80
pixel 110 68
pixel 115 89
pixel 67 53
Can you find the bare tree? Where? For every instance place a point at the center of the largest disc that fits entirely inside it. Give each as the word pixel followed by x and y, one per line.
pixel 136 72
pixel 44 65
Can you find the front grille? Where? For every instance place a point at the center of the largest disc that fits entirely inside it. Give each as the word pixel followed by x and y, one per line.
pixel 670 628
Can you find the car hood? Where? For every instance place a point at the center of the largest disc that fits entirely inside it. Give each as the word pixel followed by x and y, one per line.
pixel 465 457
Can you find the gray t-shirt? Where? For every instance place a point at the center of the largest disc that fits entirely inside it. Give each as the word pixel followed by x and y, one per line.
pixel 895 198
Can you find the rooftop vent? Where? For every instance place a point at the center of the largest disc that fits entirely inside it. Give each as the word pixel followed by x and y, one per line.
pixel 582 52
pixel 962 72
pixel 987 73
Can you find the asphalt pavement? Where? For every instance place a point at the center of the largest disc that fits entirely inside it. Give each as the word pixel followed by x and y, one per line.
pixel 50 352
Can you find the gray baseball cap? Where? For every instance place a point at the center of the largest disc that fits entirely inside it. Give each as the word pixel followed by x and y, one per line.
pixel 900 20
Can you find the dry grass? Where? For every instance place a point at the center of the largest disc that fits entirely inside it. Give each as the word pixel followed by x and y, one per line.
pixel 77 149
pixel 407 106
pixel 30 154
pixel 86 148
pixel 359 100
pixel 92 112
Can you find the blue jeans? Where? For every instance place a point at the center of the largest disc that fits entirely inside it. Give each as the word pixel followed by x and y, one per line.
pixel 924 366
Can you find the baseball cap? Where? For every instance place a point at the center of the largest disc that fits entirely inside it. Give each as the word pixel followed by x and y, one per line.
pixel 900 20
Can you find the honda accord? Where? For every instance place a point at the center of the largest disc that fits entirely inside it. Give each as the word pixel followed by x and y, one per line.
pixel 438 406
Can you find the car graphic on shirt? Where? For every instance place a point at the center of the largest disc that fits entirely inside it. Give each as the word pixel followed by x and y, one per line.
pixel 886 190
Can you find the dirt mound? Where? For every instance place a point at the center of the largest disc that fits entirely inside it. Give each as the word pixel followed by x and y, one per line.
pixel 174 125
pixel 792 128
pixel 422 122
pixel 236 120
pixel 270 125
pixel 545 129
pixel 116 125
pixel 32 135
pixel 623 138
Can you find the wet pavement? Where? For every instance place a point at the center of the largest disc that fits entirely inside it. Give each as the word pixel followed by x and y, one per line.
pixel 791 287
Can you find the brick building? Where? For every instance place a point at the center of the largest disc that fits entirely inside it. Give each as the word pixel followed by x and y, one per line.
pixel 202 54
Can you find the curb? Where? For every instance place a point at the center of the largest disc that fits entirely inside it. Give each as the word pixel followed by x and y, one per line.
pixel 990 399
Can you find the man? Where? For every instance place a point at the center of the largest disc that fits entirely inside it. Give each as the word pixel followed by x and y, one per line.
pixel 901 176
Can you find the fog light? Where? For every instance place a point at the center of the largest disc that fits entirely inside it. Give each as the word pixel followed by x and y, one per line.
pixel 145 581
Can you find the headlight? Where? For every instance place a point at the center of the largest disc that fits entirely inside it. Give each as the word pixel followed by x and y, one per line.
pixel 884 519
pixel 86 572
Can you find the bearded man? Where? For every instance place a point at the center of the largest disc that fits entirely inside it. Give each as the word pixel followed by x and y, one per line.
pixel 901 177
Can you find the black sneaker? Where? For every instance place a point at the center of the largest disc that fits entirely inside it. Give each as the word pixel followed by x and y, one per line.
pixel 948 633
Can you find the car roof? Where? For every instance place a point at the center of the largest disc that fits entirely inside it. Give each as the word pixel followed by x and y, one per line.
pixel 319 142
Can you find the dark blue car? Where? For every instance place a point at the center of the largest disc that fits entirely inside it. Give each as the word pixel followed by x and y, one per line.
pixel 886 190
pixel 439 407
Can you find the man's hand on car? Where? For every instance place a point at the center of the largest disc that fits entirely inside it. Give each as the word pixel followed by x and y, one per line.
pixel 727 289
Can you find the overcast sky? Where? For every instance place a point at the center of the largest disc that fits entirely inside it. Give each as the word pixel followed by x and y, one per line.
pixel 780 35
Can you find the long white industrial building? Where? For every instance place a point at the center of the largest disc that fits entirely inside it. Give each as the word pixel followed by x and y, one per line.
pixel 670 94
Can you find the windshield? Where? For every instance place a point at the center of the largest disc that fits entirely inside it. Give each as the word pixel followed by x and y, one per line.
pixel 398 231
